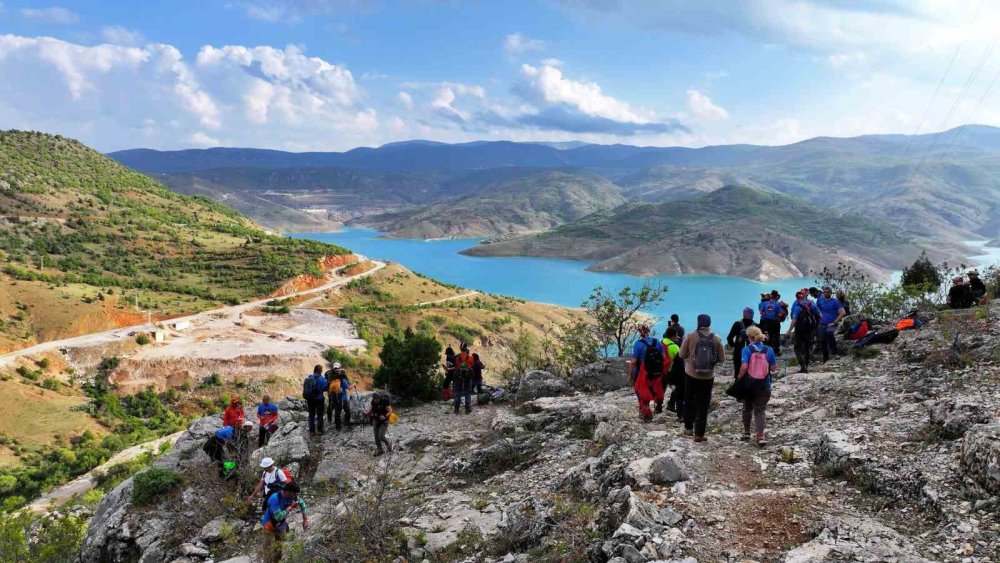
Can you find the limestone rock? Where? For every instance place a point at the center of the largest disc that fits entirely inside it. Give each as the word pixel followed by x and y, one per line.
pixel 953 417
pixel 289 444
pixel 854 539
pixel 981 455
pixel 524 523
pixel 609 374
pixel 332 472
pixel 535 384
pixel 664 469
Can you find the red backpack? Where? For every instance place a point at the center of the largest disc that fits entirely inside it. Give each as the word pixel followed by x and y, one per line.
pixel 759 366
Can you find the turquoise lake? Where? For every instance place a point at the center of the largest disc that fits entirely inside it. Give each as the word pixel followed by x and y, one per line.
pixel 567 282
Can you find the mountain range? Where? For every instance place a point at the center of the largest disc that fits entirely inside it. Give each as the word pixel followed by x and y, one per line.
pixel 939 189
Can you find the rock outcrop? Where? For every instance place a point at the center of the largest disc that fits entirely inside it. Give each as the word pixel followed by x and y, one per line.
pixel 536 384
pixel 609 374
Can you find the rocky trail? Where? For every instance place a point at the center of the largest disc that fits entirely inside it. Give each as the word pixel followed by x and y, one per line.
pixel 893 456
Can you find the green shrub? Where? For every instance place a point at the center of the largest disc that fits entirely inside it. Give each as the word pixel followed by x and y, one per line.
pixel 409 367
pixel 151 484
pixel 343 357
pixel 42 363
pixel 142 339
pixel 462 332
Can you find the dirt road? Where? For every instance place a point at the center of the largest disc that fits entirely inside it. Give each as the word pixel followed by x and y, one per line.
pixel 223 316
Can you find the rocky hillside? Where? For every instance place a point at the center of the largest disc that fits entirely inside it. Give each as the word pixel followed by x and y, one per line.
pixel 890 455
pixel 736 230
pixel 538 202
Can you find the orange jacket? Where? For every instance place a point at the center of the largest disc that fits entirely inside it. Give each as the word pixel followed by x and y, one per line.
pixel 233 416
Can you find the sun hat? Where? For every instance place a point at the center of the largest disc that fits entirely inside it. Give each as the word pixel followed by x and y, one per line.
pixel 266 462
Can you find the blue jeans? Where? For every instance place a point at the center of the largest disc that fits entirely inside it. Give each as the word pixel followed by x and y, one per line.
pixel 315 414
pixel 828 341
pixel 462 389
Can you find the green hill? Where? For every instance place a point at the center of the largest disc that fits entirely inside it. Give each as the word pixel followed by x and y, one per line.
pixel 77 227
pixel 735 230
pixel 537 202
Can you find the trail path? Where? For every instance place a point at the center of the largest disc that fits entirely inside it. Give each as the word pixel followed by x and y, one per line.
pixel 224 315
pixel 84 483
pixel 452 298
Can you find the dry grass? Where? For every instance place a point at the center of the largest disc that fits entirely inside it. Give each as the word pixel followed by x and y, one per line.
pixel 34 416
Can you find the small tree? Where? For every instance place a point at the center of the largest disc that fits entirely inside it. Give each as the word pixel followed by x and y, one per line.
pixel 616 315
pixel 921 276
pixel 579 345
pixel 409 367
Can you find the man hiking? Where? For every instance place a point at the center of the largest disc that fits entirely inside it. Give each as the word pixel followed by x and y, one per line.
pixel 271 481
pixel 267 416
pixel 312 391
pixel 337 396
pixel 275 519
pixel 676 374
pixel 675 322
pixel 701 351
pixel 649 363
pixel 477 374
pixel 805 320
pixel 770 320
pixel 737 338
pixel 233 415
pixel 831 312
pixel 379 412
pixel 464 370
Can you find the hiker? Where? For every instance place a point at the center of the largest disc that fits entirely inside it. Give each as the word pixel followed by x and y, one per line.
pixel 805 320
pixel 701 351
pixel 477 373
pixel 462 380
pixel 271 481
pixel 233 415
pixel 959 296
pixel 676 375
pixel 758 364
pixel 275 519
pixel 379 412
pixel 449 355
pixel 831 313
pixel 675 321
pixel 737 338
pixel 770 319
pixel 337 396
pixel 312 391
pixel 267 416
pixel 648 368
pixel 217 444
pixel 977 288
pixel 842 297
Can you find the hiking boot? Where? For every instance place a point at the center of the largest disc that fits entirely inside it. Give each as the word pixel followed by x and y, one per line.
pixel 378 453
pixel 688 433
pixel 468 411
pixel 745 437
pixel 647 419
pixel 700 439
pixel 761 440
pixel 672 407
pixel 658 409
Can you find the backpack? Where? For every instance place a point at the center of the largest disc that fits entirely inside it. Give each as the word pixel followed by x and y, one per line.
pixel 759 366
pixel 783 312
pixel 653 360
pixel 704 354
pixel 309 387
pixel 334 387
pixel 806 321
pixel 463 372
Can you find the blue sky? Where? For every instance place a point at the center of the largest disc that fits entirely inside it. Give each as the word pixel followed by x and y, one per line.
pixel 335 74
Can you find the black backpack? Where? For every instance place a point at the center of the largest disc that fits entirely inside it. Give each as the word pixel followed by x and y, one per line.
pixel 653 360
pixel 309 387
pixel 806 322
pixel 704 354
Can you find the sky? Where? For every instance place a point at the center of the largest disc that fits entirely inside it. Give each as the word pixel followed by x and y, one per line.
pixel 336 74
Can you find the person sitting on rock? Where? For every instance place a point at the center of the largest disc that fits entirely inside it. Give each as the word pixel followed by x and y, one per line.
pixel 379 412
pixel 977 289
pixel 234 414
pixel 959 296
pixel 759 362
pixel 267 416
pixel 272 481
pixel 648 366
pixel 275 519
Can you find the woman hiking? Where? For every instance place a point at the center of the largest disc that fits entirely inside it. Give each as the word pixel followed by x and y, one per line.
pixel 759 362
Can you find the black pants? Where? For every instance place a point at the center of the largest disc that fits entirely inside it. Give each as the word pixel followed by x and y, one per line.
pixel 315 414
pixel 737 360
pixel 697 397
pixel 335 406
pixel 827 342
pixel 803 348
pixel 462 390
pixel 215 449
pixel 677 396
pixel 262 437
pixel 772 328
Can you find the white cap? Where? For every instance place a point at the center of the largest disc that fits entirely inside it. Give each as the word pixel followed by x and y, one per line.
pixel 266 462
pixel 247 424
pixel 336 365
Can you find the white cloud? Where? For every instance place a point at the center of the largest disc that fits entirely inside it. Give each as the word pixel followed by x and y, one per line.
pixel 548 85
pixel 843 59
pixel 701 106
pixel 121 36
pixel 405 99
pixel 54 14
pixel 552 62
pixel 200 139
pixel 517 43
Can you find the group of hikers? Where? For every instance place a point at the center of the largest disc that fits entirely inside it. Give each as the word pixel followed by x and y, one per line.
pixel 463 374
pixel 966 293
pixel 326 397
pixel 687 362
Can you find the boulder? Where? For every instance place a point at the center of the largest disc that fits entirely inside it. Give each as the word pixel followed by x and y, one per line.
pixel 535 384
pixel 289 444
pixel 953 417
pixel 854 539
pixel 837 447
pixel 664 469
pixel 213 531
pixel 524 523
pixel 609 374
pixel 332 472
pixel 981 455
pixel 292 404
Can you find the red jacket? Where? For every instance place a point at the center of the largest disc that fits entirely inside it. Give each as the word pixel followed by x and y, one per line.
pixel 233 416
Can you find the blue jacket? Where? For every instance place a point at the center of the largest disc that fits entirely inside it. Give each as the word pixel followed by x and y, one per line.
pixel 771 359
pixel 829 308
pixel 639 352
pixel 321 385
pixel 769 310
pixel 345 384
pixel 265 410
pixel 797 307
pixel 225 433
pixel 277 509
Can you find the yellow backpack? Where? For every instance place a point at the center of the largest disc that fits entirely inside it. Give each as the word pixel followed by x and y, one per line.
pixel 393 419
pixel 334 387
